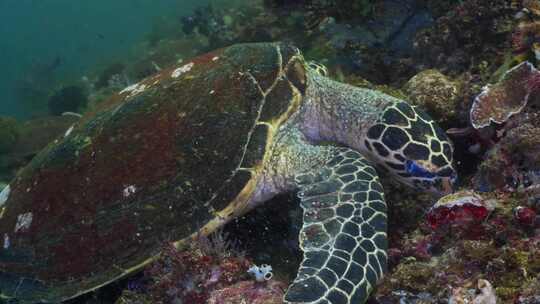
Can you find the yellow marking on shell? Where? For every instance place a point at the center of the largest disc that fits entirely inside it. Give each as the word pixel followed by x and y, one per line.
pixel 264 123
pixel 123 273
pixel 278 121
pixel 182 70
pixel 250 170
pixel 238 206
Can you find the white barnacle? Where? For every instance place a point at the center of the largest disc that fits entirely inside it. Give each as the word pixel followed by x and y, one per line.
pixel 69 131
pixel 181 70
pixel 23 222
pixel 215 58
pixel 262 273
pixel 134 89
pixel 4 195
pixel 129 190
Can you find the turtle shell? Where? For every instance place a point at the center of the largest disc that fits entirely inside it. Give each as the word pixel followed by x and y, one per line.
pixel 154 164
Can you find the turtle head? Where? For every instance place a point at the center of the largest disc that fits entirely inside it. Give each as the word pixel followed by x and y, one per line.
pixel 409 144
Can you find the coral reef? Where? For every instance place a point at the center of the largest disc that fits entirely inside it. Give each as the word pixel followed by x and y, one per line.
pixel 210 270
pixel 318 10
pixel 435 93
pixel 508 97
pixel 486 294
pixel 480 246
pixel 468 36
pixel 249 292
pixel 188 276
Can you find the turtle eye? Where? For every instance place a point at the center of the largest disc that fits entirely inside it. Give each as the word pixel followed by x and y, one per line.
pixel 415 169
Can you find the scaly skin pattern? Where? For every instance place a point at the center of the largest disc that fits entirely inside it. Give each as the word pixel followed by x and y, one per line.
pixel 344 233
pixel 398 138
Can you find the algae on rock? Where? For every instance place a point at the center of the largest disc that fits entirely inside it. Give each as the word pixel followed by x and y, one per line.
pixel 436 94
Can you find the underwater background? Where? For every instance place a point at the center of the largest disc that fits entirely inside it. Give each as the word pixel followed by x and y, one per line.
pixel 46 43
pixel 471 65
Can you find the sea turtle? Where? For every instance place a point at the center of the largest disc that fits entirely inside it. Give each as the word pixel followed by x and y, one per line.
pixel 189 149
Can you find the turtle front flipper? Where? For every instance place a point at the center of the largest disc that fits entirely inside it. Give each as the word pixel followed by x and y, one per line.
pixel 344 232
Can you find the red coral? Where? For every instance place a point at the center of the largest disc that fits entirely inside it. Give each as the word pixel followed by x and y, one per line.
pixel 525 216
pixel 458 215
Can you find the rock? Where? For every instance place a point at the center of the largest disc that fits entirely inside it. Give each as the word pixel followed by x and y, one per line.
pixel 270 292
pixel 133 297
pixel 498 102
pixel 513 162
pixel 522 141
pixel 435 93
pixel 487 293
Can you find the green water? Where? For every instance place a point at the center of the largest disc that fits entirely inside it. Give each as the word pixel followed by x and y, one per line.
pixel 47 42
